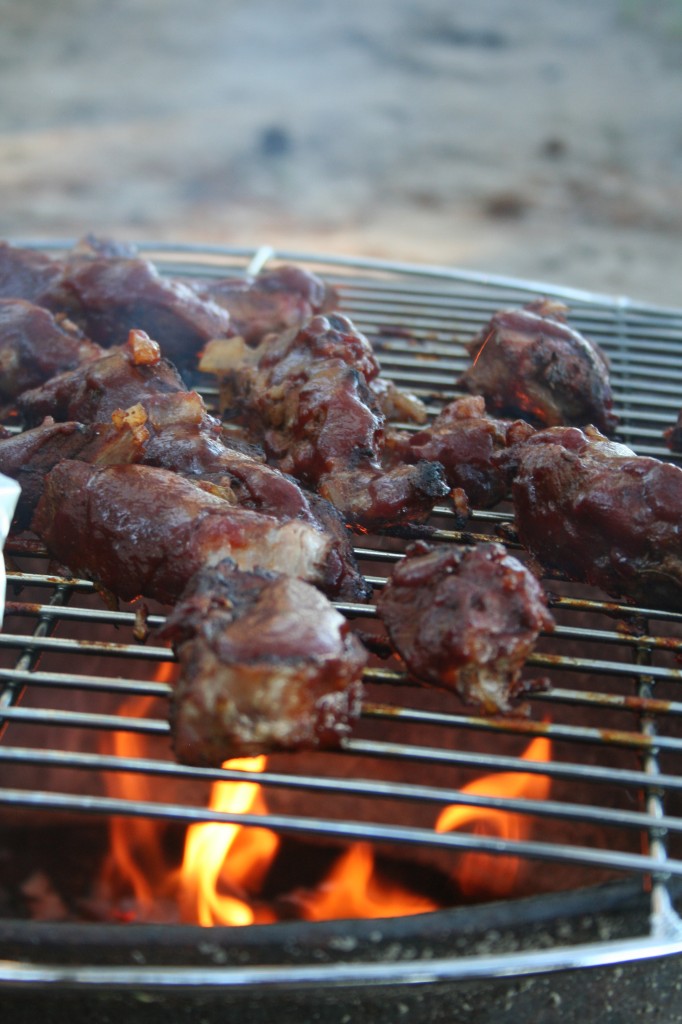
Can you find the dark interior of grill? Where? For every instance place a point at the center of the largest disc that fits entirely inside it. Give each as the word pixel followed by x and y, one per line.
pixel 605 833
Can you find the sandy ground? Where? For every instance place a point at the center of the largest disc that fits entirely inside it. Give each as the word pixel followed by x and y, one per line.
pixel 541 140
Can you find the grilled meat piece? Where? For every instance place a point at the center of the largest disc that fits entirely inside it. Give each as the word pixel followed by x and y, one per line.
pixel 26 273
pixel 465 619
pixel 169 427
pixel 232 475
pixel 110 295
pixel 478 454
pixel 137 530
pixel 307 397
pixel 395 498
pixel 30 274
pixel 673 435
pixel 530 363
pixel 124 376
pixel 272 302
pixel 602 515
pixel 34 346
pixel 396 404
pixel 180 439
pixel 28 457
pixel 266 663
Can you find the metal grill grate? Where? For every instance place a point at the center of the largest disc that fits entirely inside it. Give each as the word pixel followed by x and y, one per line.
pixel 612 713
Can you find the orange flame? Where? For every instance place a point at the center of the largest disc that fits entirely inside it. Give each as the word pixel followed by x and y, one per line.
pixel 353 888
pixel 224 865
pixel 227 856
pixel 488 874
pixel 135 864
pixel 216 857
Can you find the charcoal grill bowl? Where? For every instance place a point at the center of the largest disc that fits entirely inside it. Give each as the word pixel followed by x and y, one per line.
pixel 578 956
pixel 567 958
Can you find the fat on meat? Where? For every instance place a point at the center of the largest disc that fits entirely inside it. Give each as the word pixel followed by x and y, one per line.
pixel 266 663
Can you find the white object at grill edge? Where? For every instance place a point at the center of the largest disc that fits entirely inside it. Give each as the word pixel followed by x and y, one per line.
pixel 9 494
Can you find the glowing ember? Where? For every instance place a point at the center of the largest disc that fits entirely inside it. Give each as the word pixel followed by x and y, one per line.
pixel 487 338
pixel 482 874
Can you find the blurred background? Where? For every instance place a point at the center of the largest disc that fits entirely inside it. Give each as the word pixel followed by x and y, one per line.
pixel 540 140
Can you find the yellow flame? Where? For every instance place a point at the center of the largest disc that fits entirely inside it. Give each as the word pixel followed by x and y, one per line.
pixel 209 863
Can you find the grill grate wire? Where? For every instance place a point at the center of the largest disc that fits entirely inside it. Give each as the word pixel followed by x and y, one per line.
pixel 604 659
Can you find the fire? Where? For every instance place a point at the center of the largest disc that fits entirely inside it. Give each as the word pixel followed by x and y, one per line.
pixel 480 874
pixel 227 855
pixel 354 888
pixel 135 867
pixel 235 858
pixel 224 866
pixel 216 858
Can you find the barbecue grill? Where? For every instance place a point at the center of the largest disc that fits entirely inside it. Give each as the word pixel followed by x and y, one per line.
pixel 604 850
